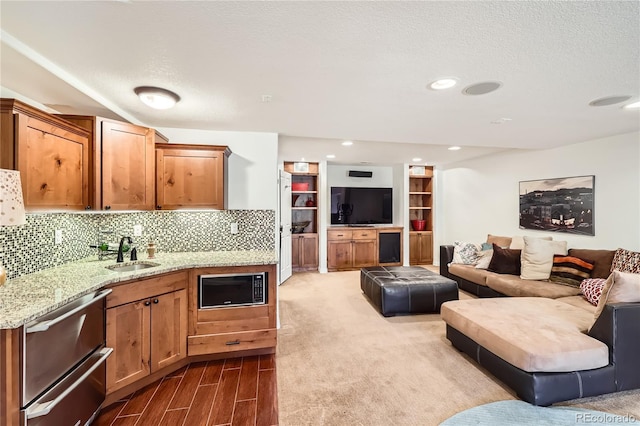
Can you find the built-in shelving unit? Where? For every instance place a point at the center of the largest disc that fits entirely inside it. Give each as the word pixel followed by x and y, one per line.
pixel 304 208
pixel 421 209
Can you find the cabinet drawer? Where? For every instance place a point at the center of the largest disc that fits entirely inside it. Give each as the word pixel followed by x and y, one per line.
pixel 339 235
pixel 132 291
pixel 364 234
pixel 231 342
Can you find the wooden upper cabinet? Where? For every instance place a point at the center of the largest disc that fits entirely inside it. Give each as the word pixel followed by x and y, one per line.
pixel 51 154
pixel 191 176
pixel 127 167
pixel 122 163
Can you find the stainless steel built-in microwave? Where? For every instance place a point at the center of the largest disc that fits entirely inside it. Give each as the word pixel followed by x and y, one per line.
pixel 219 291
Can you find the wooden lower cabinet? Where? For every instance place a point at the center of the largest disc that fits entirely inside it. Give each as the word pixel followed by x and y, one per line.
pixel 304 252
pixel 147 334
pixel 229 330
pixel 351 248
pixel 420 247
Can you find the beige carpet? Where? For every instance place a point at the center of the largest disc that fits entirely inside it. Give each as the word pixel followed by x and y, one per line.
pixel 339 362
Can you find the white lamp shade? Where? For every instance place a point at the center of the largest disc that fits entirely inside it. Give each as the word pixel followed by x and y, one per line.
pixel 11 202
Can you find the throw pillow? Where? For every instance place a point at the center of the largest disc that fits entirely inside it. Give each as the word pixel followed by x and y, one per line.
pixel 517 242
pixel 505 261
pixel 570 270
pixel 602 260
pixel 626 261
pixel 485 259
pixel 621 287
pixel 501 241
pixel 465 253
pixel 486 246
pixel 537 257
pixel 592 289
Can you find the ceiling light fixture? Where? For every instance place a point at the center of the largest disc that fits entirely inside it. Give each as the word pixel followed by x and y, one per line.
pixel 347 143
pixel 156 97
pixel 331 156
pixel 416 160
pixel 454 148
pixel 609 100
pixel 443 83
pixel 481 88
pixel 634 105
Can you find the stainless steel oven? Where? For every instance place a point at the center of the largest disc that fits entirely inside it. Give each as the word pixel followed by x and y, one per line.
pixel 63 365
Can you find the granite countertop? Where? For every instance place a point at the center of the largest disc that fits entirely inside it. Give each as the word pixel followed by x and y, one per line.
pixel 28 297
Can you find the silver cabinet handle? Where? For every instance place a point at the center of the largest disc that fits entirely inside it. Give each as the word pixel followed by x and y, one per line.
pixel 42 409
pixel 45 325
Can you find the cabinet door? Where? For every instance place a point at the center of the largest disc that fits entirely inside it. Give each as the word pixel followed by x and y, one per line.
pixel 414 248
pixel 128 334
pixel 309 252
pixel 426 248
pixel 364 253
pixel 296 258
pixel 128 167
pixel 168 329
pixel 189 178
pixel 339 255
pixel 54 165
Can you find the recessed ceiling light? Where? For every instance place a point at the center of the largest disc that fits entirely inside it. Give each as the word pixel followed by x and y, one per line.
pixel 416 160
pixel 454 148
pixel 634 105
pixel 501 120
pixel 156 97
pixel 481 88
pixel 266 98
pixel 331 156
pixel 347 143
pixel 443 83
pixel 609 100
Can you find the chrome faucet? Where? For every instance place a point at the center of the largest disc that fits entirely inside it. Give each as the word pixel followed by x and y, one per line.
pixel 120 256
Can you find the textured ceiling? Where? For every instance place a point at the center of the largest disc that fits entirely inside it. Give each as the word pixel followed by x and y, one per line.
pixel 340 70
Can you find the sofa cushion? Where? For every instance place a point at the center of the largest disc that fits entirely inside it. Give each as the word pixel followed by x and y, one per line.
pixel 505 261
pixel 503 242
pixel 570 270
pixel 533 334
pixel 602 260
pixel 537 257
pixel 592 289
pixel 465 253
pixel 579 301
pixel 470 273
pixel 513 285
pixel 621 287
pixel 517 242
pixel 626 261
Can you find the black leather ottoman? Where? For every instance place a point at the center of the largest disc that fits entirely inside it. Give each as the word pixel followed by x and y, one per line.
pixel 406 289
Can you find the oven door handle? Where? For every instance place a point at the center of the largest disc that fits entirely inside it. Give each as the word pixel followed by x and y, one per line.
pixel 44 408
pixel 45 325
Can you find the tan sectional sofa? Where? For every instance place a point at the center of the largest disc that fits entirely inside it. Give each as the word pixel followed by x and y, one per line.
pixel 542 341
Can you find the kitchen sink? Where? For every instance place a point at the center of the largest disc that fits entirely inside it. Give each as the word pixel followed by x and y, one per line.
pixel 128 267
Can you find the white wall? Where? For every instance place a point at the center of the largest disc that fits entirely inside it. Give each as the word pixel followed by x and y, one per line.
pixel 253 164
pixel 480 196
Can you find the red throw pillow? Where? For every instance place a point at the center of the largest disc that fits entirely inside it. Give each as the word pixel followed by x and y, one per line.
pixel 592 289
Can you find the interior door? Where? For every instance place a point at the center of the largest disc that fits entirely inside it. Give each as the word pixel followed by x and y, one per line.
pixel 285 226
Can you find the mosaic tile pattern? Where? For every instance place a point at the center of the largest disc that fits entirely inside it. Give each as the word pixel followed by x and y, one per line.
pixel 29 248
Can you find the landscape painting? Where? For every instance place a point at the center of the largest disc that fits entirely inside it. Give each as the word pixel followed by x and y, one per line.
pixel 559 205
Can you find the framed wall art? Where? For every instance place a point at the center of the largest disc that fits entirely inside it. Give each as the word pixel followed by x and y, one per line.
pixel 558 205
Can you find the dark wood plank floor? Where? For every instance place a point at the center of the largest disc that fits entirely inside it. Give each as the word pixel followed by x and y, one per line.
pixel 235 391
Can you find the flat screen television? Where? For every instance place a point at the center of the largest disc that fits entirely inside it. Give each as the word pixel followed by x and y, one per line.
pixel 361 206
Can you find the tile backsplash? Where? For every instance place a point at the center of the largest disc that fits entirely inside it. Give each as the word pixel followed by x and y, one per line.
pixel 30 247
